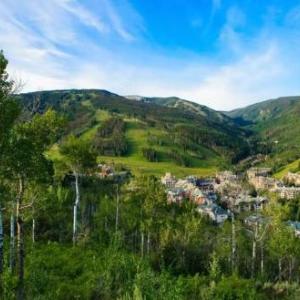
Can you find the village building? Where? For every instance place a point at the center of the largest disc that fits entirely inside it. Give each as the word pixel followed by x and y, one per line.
pixel 228 188
pixel 244 202
pixel 197 196
pixel 191 179
pixel 205 184
pixel 216 213
pixel 175 195
pixel 186 186
pixel 263 183
pixel 259 178
pixel 226 176
pixel 292 179
pixel 104 170
pixel 168 180
pixel 288 193
pixel 258 172
pixel 211 196
pixel 253 220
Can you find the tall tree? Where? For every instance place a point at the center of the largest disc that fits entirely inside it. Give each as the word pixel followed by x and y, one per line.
pixel 79 158
pixel 28 164
pixel 9 112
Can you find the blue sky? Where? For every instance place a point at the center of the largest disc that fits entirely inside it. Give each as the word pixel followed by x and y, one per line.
pixel 220 53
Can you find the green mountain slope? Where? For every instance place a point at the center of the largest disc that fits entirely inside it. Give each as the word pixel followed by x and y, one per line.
pixel 187 106
pixel 277 123
pixel 183 141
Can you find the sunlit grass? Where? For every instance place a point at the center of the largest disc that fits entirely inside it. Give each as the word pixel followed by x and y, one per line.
pixel 290 167
pixel 137 134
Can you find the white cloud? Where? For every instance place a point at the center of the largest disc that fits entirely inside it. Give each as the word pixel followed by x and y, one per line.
pixel 49 49
pixel 117 22
pixel 84 15
pixel 230 36
pixel 249 79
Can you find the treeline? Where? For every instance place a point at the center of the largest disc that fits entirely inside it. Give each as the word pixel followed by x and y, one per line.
pixel 150 154
pixel 67 103
pixel 222 136
pixel 179 158
pixel 190 137
pixel 110 138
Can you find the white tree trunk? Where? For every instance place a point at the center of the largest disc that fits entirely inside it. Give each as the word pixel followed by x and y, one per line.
pixel 279 268
pixel 148 243
pixel 20 241
pixel 75 208
pixel 254 242
pixel 290 270
pixel 262 259
pixel 33 230
pixel 233 245
pixel 142 244
pixel 117 209
pixel 12 243
pixel 105 224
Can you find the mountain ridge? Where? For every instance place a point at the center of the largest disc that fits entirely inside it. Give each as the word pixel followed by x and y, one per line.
pixel 276 123
pixel 274 103
pixel 264 123
pixel 178 137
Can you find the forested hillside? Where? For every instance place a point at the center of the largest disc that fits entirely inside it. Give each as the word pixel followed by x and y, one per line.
pixel 187 106
pixel 276 123
pixel 154 137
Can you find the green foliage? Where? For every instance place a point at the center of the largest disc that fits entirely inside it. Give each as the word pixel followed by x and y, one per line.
pixel 27 145
pixel 110 127
pixel 186 258
pixel 9 110
pixel 77 154
pixel 110 138
pixel 235 288
pixel 276 129
pixel 214 268
pixel 179 159
pixel 150 154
